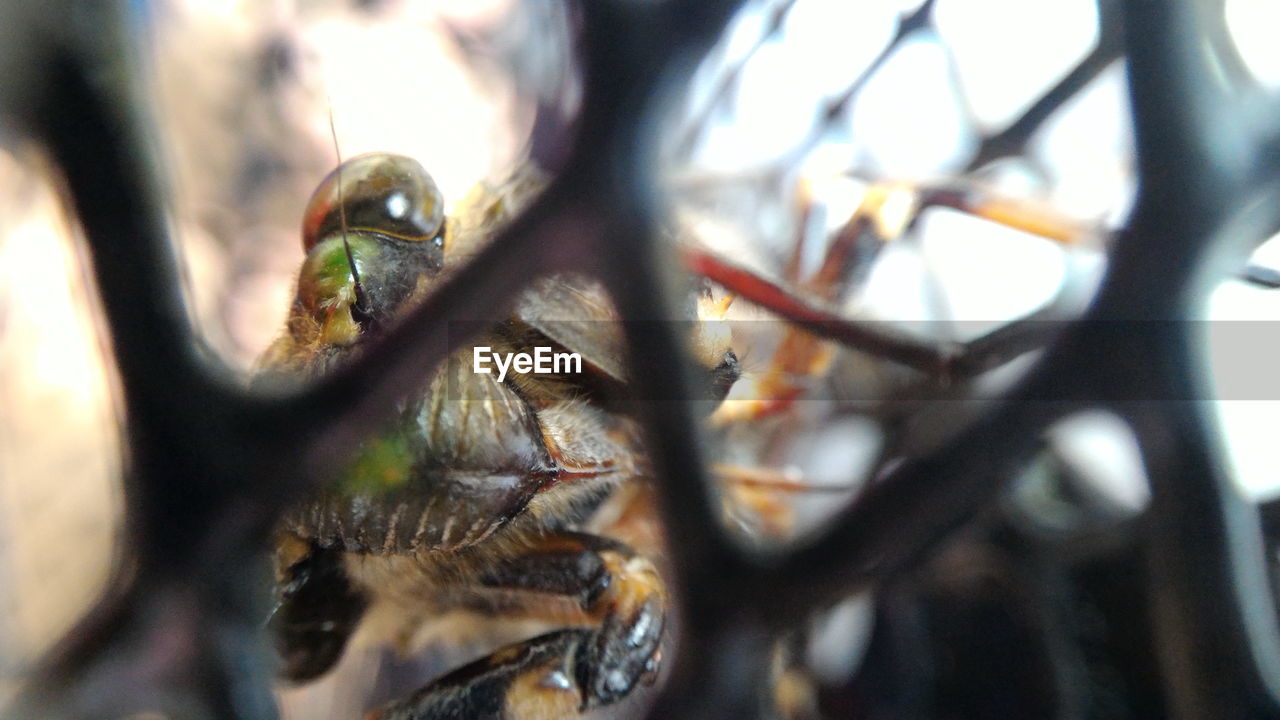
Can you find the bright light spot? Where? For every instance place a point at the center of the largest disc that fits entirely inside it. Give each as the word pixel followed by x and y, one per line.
pixel 835 199
pixel 989 273
pixel 1103 449
pixel 223 10
pixel 830 44
pixel 821 49
pixel 908 118
pixel 774 110
pixel 397 205
pixel 1249 432
pixel 836 649
pixel 58 451
pixel 894 290
pixel 1087 149
pixel 740 37
pixel 1239 301
pixel 743 34
pixel 1241 347
pixel 35 263
pixel 1253 26
pixel 477 12
pixel 1268 253
pixel 1008 52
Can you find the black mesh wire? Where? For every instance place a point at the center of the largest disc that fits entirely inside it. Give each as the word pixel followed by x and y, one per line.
pixel 1175 618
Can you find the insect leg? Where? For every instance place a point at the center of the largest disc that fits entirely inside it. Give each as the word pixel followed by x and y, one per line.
pixel 565 672
pixel 317 612
pixel 617 587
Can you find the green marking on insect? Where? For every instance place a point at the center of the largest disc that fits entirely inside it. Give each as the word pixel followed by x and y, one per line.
pixel 328 269
pixel 383 465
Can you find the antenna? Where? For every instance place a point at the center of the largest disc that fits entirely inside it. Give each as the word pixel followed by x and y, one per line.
pixel 362 307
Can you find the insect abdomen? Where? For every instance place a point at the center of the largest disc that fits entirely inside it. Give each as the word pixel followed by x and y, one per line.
pixel 461 460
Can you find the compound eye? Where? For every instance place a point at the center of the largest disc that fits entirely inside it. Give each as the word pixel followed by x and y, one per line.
pixel 384 195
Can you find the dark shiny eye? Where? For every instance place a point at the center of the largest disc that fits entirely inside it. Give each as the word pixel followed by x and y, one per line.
pixel 384 195
pixel 373 231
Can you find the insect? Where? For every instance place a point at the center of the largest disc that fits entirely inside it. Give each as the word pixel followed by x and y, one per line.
pixel 483 495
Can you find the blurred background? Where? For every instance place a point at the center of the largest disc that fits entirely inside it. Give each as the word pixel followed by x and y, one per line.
pixel 806 114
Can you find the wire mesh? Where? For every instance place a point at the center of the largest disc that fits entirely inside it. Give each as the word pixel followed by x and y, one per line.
pixel 1172 614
